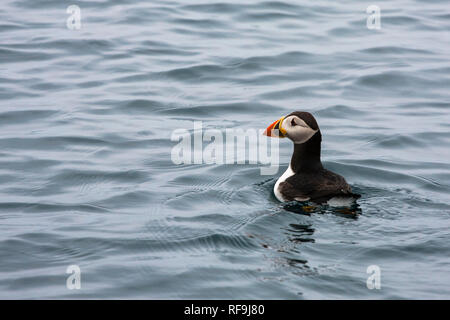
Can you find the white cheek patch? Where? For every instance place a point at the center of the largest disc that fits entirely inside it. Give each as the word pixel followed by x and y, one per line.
pixel 299 133
pixel 302 135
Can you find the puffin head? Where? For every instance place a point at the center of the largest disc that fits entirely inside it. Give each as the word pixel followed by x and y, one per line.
pixel 299 126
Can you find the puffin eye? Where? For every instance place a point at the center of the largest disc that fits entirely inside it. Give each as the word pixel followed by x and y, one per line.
pixel 293 122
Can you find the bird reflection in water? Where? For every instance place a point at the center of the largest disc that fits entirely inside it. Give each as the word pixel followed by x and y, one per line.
pixel 298 234
pixel 301 233
pixel 305 208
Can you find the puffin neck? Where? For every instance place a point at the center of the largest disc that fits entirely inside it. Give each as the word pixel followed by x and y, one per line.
pixel 306 156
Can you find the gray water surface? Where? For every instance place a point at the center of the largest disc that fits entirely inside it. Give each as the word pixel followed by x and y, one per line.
pixel 86 176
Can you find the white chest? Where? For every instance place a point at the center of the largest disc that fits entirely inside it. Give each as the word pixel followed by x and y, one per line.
pixel 281 179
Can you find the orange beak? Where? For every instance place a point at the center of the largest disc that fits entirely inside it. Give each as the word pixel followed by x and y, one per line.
pixel 275 129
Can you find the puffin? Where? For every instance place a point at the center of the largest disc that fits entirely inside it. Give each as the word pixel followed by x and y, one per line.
pixel 306 179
